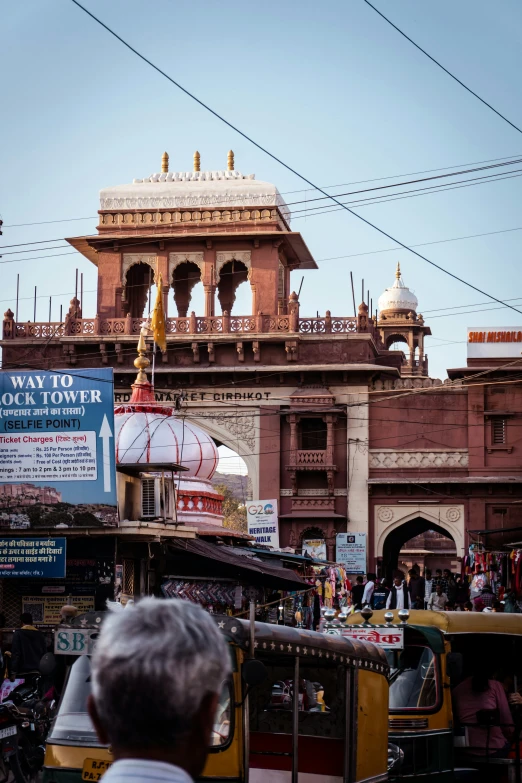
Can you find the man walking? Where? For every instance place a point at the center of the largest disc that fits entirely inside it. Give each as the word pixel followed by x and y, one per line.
pixel 369 588
pixel 429 587
pixel 399 597
pixel 357 593
pixel 417 587
pixel 157 674
pixel 28 648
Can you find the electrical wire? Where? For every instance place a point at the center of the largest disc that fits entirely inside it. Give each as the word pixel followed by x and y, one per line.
pixel 502 116
pixel 286 165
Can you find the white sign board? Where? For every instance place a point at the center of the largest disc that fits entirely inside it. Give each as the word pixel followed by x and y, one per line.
pixel 315 547
pixel 263 523
pixel 75 641
pixel 350 552
pixel 499 342
pixel 391 638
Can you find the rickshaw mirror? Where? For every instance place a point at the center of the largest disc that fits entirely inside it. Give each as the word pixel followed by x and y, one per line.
pixel 47 664
pixel 254 672
pixel 455 666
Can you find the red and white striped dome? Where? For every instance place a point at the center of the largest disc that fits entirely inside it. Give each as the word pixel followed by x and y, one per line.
pixel 152 436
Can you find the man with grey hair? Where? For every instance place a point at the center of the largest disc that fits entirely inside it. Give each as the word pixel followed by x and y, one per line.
pixel 157 672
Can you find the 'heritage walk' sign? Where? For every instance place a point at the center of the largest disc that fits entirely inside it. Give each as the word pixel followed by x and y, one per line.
pixel 57 447
pixel 263 523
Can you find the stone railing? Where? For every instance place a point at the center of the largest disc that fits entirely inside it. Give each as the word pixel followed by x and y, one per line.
pixel 191 325
pixel 399 459
pixel 311 457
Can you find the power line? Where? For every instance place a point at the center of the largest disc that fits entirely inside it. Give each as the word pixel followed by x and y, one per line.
pixel 440 66
pixel 286 165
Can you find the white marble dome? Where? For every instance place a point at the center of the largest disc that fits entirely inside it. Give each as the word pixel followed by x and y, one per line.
pixel 398 298
pixel 152 437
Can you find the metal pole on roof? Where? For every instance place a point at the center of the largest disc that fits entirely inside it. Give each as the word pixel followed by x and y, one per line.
pixel 353 295
pixel 50 300
pixel 17 292
pixel 34 308
pixel 76 285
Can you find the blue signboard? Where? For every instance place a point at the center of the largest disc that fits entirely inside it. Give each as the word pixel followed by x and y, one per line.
pixel 33 557
pixel 57 457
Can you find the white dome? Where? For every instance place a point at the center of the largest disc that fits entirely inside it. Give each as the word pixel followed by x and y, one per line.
pixel 398 298
pixel 153 437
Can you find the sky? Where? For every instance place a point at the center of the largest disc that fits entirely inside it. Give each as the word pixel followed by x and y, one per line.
pixel 330 88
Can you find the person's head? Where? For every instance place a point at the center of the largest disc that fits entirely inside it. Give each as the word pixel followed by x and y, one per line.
pixel 371 577
pixel 398 578
pixel 157 673
pixel 412 573
pixel 359 580
pixel 486 589
pixel 26 618
pixel 468 606
pixel 427 573
pixel 439 573
pixel 449 607
pixel 438 589
pixel 478 569
pixel 497 606
pixel 447 573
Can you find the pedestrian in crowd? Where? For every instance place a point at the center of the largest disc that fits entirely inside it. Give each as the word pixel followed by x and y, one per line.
pixel 451 585
pixel 428 586
pixel 28 648
pixel 441 580
pixel 369 588
pixel 438 599
pixel 380 595
pixel 510 603
pixel 484 600
pixel 399 597
pixel 468 606
pixel 357 593
pixel 417 586
pixel 462 592
pixel 497 606
pixel 477 583
pixel 157 674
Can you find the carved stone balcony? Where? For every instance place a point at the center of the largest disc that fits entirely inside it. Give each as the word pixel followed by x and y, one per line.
pixel 313 504
pixel 312 457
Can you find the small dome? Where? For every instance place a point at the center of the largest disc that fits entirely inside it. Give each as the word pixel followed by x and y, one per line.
pixel 152 437
pixel 398 298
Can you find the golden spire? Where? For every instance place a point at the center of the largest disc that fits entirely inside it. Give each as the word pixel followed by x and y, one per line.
pixel 230 160
pixel 165 163
pixel 141 362
pixel 398 271
pixel 197 161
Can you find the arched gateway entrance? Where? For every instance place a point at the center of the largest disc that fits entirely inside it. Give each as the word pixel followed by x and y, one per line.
pixel 397 525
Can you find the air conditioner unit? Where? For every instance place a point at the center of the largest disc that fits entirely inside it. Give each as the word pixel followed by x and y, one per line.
pixel 157 498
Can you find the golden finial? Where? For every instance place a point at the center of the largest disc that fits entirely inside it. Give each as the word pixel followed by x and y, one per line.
pixel 197 161
pixel 230 160
pixel 141 362
pixel 398 271
pixel 165 163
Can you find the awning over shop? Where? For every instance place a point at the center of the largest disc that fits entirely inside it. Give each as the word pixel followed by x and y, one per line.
pixel 223 561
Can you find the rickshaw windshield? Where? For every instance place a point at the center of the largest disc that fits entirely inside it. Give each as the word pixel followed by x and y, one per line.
pixel 413 679
pixel 72 725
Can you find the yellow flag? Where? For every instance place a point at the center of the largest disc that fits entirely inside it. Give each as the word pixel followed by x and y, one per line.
pixel 158 319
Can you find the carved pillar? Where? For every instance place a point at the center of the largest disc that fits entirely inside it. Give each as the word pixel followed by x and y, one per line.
pixel 293 312
pixel 9 325
pixel 209 291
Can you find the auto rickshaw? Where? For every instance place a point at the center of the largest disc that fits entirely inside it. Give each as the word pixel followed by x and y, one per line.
pixel 429 654
pixel 332 726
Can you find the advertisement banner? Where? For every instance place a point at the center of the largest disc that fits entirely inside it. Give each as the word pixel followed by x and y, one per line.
pixel 391 638
pixel 57 456
pixel 350 552
pixel 315 547
pixel 500 342
pixel 43 558
pixel 46 609
pixel 263 523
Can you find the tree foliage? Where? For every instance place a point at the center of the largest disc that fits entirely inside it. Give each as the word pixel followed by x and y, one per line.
pixel 234 512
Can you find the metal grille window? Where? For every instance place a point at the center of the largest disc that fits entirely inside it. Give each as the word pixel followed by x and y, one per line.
pixel 499 430
pixel 148 498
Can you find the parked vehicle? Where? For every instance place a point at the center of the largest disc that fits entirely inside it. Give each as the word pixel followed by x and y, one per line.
pixel 331 726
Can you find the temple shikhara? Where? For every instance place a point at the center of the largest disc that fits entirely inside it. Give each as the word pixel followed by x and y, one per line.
pixel 336 416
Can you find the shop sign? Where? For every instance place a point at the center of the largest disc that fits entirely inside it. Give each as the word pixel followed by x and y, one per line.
pixel 216 395
pixel 75 641
pixel 498 343
pixel 315 547
pixel 57 457
pixel 43 558
pixel 391 638
pixel 350 552
pixel 263 522
pixel 46 610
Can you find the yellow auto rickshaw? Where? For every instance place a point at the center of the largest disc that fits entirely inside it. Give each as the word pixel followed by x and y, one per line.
pixel 331 727
pixel 429 654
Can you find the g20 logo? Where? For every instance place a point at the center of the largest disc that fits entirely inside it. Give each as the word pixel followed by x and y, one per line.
pixel 260 509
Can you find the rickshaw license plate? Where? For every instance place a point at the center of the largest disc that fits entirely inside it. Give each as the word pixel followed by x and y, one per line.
pixel 93 769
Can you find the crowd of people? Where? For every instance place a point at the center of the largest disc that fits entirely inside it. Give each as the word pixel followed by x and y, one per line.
pixel 441 591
